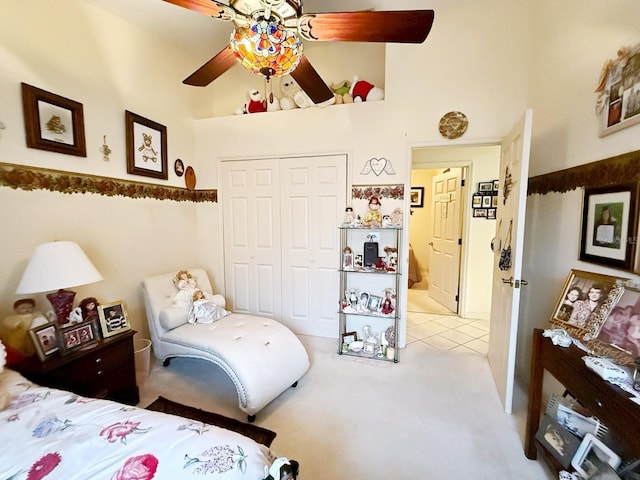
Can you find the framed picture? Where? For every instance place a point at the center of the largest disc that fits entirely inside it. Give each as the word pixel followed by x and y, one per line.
pixel 485 187
pixel 491 213
pixel 45 339
pixel 609 226
pixel 594 457
pixel 476 202
pixel 52 122
pixel 146 147
pixel 358 262
pixel 417 197
pixel 113 319
pixel 560 442
pixel 486 201
pixel 494 201
pixel 363 300
pixel 78 336
pixel 178 167
pixel 618 337
pixel 480 212
pixel 348 337
pixel 585 302
pixel 619 103
pixel 496 185
pixel 374 303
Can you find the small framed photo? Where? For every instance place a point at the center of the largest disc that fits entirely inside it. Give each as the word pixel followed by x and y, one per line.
pixel 45 338
pixel 146 147
pixel 358 261
pixel 491 213
pixel 609 226
pixel 374 303
pixel 485 187
pixel 594 457
pixel 486 201
pixel 348 337
pixel 585 302
pixel 363 300
pixel 480 212
pixel 78 336
pixel 560 442
pixel 52 122
pixel 178 167
pixel 496 186
pixel 113 319
pixel 494 201
pixel 417 197
pixel 476 202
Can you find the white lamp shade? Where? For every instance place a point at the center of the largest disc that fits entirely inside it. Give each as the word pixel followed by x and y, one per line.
pixel 57 265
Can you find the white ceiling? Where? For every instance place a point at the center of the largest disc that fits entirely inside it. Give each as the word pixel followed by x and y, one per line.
pixel 197 33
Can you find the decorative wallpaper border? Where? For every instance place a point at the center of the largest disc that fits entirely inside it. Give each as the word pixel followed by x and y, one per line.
pixel 33 178
pixel 610 171
pixel 363 192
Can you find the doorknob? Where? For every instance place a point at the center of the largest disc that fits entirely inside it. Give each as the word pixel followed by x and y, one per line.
pixel 433 248
pixel 515 283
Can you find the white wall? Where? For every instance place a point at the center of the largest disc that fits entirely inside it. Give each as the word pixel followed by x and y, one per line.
pixel 79 52
pixel 572 44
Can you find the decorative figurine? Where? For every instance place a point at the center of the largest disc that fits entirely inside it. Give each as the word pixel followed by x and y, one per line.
pixel 396 217
pixel 14 329
pixel 349 217
pixel 373 218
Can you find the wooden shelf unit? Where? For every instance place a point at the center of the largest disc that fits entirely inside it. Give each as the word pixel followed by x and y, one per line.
pixel 609 403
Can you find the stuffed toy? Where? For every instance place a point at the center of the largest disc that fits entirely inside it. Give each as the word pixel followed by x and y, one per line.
pixel 363 91
pixel 289 89
pixel 341 92
pixel 282 469
pixel 373 218
pixel 256 102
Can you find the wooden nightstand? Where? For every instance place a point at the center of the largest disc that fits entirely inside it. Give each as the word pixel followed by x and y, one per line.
pixel 104 371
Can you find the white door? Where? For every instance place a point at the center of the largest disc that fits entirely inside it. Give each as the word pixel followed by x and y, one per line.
pixel 281 239
pixel 505 299
pixel 313 202
pixel 445 247
pixel 251 220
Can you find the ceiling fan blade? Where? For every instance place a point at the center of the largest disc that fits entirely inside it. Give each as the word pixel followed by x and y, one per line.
pixel 211 70
pixel 206 7
pixel 312 84
pixel 404 26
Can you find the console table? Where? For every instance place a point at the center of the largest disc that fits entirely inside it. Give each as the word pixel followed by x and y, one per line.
pixel 609 403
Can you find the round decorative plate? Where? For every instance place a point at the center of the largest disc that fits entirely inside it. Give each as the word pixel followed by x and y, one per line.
pixel 453 125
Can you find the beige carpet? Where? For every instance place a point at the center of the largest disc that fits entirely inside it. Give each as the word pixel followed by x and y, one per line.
pixel 435 415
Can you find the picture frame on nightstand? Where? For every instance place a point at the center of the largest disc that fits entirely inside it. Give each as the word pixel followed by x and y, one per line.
pixel 78 336
pixel 45 339
pixel 113 318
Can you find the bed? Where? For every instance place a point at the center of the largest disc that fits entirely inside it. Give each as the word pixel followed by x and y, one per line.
pixel 54 434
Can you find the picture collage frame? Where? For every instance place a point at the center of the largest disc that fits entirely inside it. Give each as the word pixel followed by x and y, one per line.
pixel 484 202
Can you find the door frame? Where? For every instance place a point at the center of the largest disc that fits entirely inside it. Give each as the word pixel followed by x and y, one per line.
pixel 466 224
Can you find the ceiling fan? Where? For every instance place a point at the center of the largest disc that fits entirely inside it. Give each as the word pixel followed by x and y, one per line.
pixel 267 37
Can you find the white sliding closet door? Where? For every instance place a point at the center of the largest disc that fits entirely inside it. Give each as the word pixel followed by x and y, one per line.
pixel 312 206
pixel 281 239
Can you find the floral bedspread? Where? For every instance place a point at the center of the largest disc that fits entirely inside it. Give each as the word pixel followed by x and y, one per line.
pixel 53 434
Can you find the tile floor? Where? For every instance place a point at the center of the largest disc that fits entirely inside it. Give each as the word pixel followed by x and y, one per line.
pixel 431 323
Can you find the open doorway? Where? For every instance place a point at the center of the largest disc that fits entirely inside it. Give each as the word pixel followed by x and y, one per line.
pixel 459 320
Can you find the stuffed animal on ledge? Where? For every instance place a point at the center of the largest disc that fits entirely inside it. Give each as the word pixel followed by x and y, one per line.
pixel 341 92
pixel 256 102
pixel 363 91
pixel 373 218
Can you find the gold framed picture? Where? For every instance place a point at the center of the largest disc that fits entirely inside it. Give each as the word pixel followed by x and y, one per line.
pixel 113 318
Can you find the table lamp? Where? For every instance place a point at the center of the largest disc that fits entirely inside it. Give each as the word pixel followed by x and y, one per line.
pixel 56 266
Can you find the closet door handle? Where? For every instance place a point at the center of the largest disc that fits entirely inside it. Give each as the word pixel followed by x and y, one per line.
pixel 433 248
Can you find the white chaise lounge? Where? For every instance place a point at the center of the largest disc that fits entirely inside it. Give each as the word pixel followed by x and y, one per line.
pixel 262 356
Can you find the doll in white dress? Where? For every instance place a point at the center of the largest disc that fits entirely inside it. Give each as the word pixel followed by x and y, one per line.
pixel 186 285
pixel 204 309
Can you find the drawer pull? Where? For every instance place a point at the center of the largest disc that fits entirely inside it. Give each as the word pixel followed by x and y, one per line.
pixel 98 360
pixel 100 373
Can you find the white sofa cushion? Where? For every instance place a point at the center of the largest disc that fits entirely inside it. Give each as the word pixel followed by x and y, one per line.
pixel 173 317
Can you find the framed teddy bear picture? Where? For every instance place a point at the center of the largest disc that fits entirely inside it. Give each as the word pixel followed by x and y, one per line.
pixel 146 147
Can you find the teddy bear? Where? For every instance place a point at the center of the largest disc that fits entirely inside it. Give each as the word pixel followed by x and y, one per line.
pixel 293 94
pixel 363 91
pixel 341 92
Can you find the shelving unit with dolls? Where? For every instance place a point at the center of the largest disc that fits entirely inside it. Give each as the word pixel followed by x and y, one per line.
pixel 369 283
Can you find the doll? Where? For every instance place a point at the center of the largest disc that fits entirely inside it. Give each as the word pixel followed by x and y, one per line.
pixel 204 310
pixel 186 285
pixel 373 218
pixel 14 329
pixel 388 304
pixel 348 216
pixel 89 308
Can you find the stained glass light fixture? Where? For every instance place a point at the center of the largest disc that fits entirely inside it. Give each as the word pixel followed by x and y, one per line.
pixel 265 47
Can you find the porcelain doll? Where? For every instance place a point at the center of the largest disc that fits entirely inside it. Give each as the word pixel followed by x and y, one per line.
pixel 373 218
pixel 186 285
